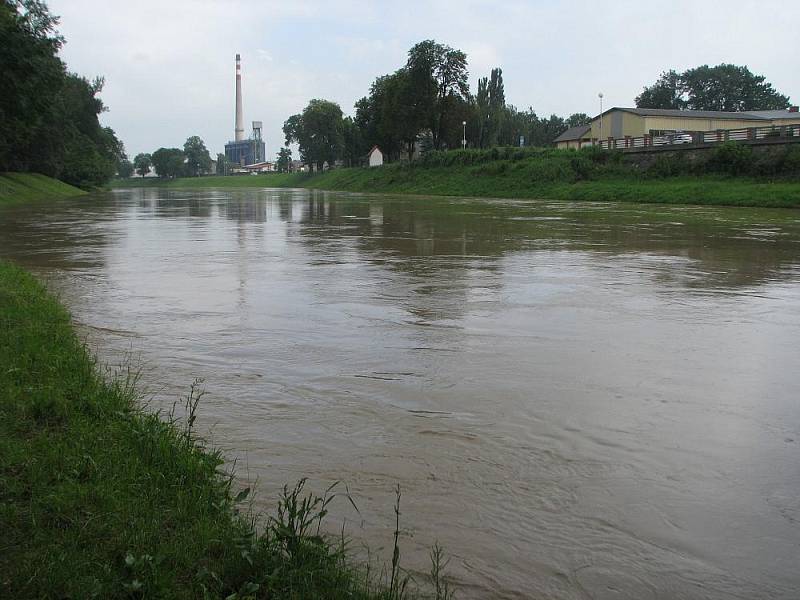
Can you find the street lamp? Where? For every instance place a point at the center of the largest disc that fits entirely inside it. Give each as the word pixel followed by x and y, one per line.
pixel 464 139
pixel 600 95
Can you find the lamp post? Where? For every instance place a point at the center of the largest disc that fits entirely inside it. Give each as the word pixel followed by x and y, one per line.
pixel 600 95
pixel 464 139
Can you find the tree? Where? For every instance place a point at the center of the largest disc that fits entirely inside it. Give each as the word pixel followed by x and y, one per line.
pixel 198 159
pixel 142 163
pixel 491 103
pixel 124 168
pixel 168 162
pixel 318 133
pixel 223 165
pixel 48 117
pixel 437 75
pixel 284 159
pixel 724 87
pixel 576 119
pixel 730 88
pixel 376 120
pixel 666 92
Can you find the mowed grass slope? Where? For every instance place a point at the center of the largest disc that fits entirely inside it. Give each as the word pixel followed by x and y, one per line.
pixel 99 499
pixel 25 187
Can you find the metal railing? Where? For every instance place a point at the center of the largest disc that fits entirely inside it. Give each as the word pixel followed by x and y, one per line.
pixel 696 138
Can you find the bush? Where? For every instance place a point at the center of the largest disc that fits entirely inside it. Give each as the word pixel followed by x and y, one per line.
pixel 731 158
pixel 669 165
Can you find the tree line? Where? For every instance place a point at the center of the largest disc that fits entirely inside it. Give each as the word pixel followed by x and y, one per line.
pixel 424 105
pixel 190 161
pixel 48 116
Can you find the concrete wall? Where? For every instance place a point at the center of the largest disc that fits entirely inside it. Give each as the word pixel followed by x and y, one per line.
pixel 646 157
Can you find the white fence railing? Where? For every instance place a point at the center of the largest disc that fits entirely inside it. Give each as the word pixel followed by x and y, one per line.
pixel 679 138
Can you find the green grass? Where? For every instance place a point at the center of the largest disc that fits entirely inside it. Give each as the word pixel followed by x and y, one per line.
pixel 532 177
pixel 478 181
pixel 99 498
pixel 26 187
pixel 243 181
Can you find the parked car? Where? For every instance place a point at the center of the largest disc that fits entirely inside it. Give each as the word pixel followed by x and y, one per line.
pixel 681 137
pixel 676 137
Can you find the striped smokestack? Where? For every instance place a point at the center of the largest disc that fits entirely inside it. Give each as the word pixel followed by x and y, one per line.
pixel 239 130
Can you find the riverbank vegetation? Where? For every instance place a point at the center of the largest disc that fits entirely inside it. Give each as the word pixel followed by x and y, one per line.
pixel 26 187
pixel 729 175
pixel 101 499
pixel 49 116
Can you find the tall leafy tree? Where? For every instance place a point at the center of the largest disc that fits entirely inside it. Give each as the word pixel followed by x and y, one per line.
pixel 284 159
pixel 318 133
pixel 438 75
pixel 168 162
pixel 666 92
pixel 142 163
pixel 124 168
pixel 491 104
pixel 724 87
pixel 730 88
pixel 48 117
pixel 198 160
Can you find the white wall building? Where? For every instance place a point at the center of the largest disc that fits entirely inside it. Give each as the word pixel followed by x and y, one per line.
pixel 375 157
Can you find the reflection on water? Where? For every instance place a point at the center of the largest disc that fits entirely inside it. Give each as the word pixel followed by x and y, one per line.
pixel 578 400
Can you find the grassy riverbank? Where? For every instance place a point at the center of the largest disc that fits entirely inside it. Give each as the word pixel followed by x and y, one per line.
pixel 473 182
pixel 555 175
pixel 101 499
pixel 27 187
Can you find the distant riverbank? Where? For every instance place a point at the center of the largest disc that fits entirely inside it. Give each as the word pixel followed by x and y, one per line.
pixel 508 178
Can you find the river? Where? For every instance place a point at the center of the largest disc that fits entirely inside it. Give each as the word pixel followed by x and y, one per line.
pixel 577 400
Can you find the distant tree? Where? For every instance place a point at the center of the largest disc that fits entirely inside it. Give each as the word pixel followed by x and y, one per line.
pixel 724 87
pixel 731 88
pixel 124 168
pixel 284 160
pixel 142 162
pixel 223 165
pixel 437 75
pixel 198 159
pixel 576 119
pixel 377 123
pixel 666 92
pixel 318 133
pixel 168 162
pixel 353 148
pixel 491 104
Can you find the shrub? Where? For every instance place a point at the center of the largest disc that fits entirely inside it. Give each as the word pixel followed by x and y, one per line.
pixel 731 158
pixel 669 165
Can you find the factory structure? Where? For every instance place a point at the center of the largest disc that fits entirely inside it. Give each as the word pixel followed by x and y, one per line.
pixel 242 152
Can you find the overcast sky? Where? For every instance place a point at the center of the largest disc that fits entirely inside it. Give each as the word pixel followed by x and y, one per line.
pixel 169 64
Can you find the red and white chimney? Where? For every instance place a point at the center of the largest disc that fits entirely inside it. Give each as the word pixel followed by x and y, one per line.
pixel 239 128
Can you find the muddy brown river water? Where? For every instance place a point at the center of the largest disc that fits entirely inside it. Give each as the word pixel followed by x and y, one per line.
pixel 578 400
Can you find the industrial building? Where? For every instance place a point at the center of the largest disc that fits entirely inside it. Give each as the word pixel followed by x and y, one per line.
pixel 244 151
